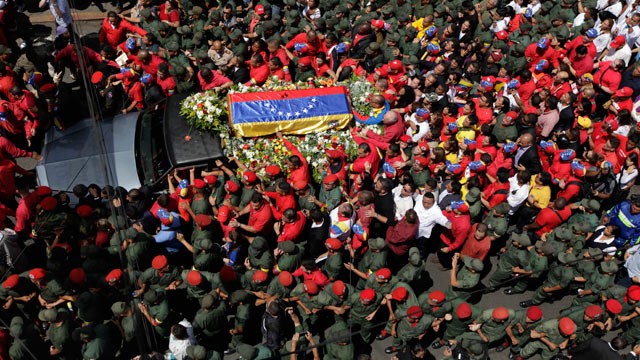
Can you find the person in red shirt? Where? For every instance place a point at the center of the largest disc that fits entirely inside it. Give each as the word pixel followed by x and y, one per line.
pixel 453 238
pixel 8 169
pixel 213 80
pixel 305 44
pixel 550 217
pixel 570 187
pixel 297 163
pixel 621 100
pixel 607 79
pixel 484 108
pixel 498 191
pixel 309 272
pixel 401 237
pixel 538 51
pixel 258 70
pixel 169 13
pixel 8 122
pixel 114 30
pixel 293 223
pixel 135 95
pixel 26 210
pixel 586 40
pixel 393 131
pixel 165 80
pixel 260 217
pixel 148 61
pixel 277 69
pixel 478 243
pixel 276 51
pixel 283 199
pixel 560 84
pixel 579 62
pixel 396 74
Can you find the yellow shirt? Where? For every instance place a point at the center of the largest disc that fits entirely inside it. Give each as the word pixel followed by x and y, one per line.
pixel 542 195
pixel 419 25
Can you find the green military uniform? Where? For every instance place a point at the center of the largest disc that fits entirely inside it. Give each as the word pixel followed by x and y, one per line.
pixel 334 265
pixel 243 315
pixel 247 194
pixel 258 352
pixel 275 288
pixel 248 283
pixel 159 310
pixel 472 343
pixel 304 75
pixel 515 255
pixel 412 272
pixel 597 282
pixel 517 62
pixel 579 237
pixel 497 222
pixel 209 283
pixel 504 133
pixel 382 288
pixel 291 259
pixel 420 178
pixel 342 347
pixel 475 205
pixel 407 331
pixel 52 291
pixel 259 255
pixel 536 262
pixel 550 329
pixel 59 333
pixel 520 317
pixel 588 216
pixel 211 319
pixel 457 326
pixel 372 261
pixel 47 222
pixel 97 348
pixel 421 10
pixel 311 302
pixel 468 278
pixel 578 317
pixel 331 198
pixel 138 252
pixel 492 329
pixel 159 281
pixel 358 314
pixel 559 238
pixel 184 85
pixel 561 274
pixel 200 205
pixel 327 297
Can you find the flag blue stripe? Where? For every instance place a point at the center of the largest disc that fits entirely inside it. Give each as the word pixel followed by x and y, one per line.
pixel 289 109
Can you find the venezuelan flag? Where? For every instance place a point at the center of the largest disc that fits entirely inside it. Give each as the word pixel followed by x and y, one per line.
pixel 291 112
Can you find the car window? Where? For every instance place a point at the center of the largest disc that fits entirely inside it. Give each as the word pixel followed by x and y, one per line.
pixel 152 159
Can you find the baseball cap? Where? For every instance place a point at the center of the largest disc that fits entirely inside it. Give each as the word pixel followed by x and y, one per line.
pixel 618 42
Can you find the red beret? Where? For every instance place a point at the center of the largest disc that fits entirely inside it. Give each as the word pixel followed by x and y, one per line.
pixel 285 278
pixel 437 296
pixel 367 295
pixel 203 220
pixel 395 65
pixel 534 313
pixel 84 211
pixel 232 186
pixel 48 88
pixel 227 274
pixel 49 203
pixel 399 294
pixel 593 311
pixel 211 179
pixel 249 176
pixel 259 276
pixel 224 213
pixel 330 179
pixel 382 71
pixel 333 244
pixel 199 184
pixel 194 278
pixel 43 191
pixel 405 138
pixel 272 170
pixel 11 281
pixel 566 326
pixel 414 312
pixel 96 77
pixel 159 262
pixel 614 306
pixel 421 160
pixel 77 276
pixel 500 313
pixel 37 274
pixel 300 184
pixel 338 287
pixel 334 154
pixel 114 276
pixel 310 287
pixel 383 274
pixel 463 311
pixel 634 293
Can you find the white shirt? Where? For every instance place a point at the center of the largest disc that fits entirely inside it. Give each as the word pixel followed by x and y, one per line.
pixel 423 128
pixel 429 218
pixel 578 20
pixel 633 262
pixel 345 225
pixel 403 203
pixel 602 41
pixel 179 347
pixel 65 19
pixel 517 194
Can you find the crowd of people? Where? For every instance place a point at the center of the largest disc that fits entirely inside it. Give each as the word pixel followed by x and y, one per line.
pixel 509 132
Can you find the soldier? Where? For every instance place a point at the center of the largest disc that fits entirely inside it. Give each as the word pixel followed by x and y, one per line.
pixel 491 325
pixel 535 265
pixel 330 193
pixel 374 258
pixel 160 276
pixel 464 280
pixel 413 272
pixel 497 221
pixel 520 328
pixel 333 265
pixel 210 323
pixel 597 282
pixel 341 346
pixel 58 332
pixel 126 321
pixel 587 214
pixel 457 323
pixel 288 256
pixel 558 279
pixel 243 320
pixel 549 338
pixel 514 255
pixel 335 298
pixel 155 308
pixel 414 324
pixel 363 308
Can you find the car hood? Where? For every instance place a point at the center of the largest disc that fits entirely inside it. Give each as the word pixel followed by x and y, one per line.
pixel 74 156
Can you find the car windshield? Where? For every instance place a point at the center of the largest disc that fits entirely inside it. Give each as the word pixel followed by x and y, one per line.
pixel 153 162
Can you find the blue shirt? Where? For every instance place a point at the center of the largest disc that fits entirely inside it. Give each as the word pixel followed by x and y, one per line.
pixel 629 224
pixel 167 236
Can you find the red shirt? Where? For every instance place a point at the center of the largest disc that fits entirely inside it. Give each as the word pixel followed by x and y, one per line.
pixel 493 196
pixel 259 75
pixel 301 173
pixel 114 35
pixel 168 85
pixel 171 16
pixel 400 237
pixel 526 90
pixel 9 150
pixel 607 76
pixel 261 220
pixel 292 231
pixel 571 189
pixel 558 90
pixel 8 169
pixel 549 219
pixel 283 202
pixel 392 133
pixel 474 248
pixel 136 93
pixel 217 81
pixel 312 46
pixel 151 65
pixel 532 52
pixel 26 211
pixel 460 227
pixel 10 123
pixel 317 276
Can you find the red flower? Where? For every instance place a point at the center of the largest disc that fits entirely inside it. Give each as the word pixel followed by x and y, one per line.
pixel 200 105
pixel 187 138
pixel 246 146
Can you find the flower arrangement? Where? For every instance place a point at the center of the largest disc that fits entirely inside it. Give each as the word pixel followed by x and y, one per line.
pixel 206 111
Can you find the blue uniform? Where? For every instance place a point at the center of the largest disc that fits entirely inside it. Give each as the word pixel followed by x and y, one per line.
pixel 629 224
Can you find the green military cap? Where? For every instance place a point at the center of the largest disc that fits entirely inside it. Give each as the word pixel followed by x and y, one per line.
pixel 196 352
pixel 341 9
pixel 411 32
pixel 201 54
pixel 609 267
pixel 376 243
pixel 207 301
pixel 118 308
pixel 595 253
pixel 268 25
pixel 151 296
pixel 235 34
pixel 544 25
pixel 292 14
pixel 290 2
pixel 387 10
pixel 473 195
pixel 178 70
pixel 202 261
pixel 414 256
pixel 373 47
pixel 546 248
pixel 473 264
pixel 547 6
pixel 518 48
pixel 197 38
pixel 440 9
pixel 617 291
pixel 591 204
pixel 16 327
pixel 565 258
pixel 342 25
pixel 522 239
pixel 402 17
pixel 287 247
pixel 395 37
pixel 525 27
pixel 276 18
pixel 206 244
pixel 502 208
pixel 581 227
pixel 163 27
pixel 239 296
pixel 563 233
pixel 413 60
pixel 352 2
pixel 146 13
pixel 476 348
pixel 218 33
pixel 196 10
pixel 172 46
pixel 183 30
pixel 247 351
pixel 588 24
pixel 319 23
pixel 48 315
pixel 561 37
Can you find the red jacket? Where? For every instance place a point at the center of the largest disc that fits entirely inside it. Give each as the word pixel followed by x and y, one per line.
pixel 114 35
pixel 259 75
pixel 460 228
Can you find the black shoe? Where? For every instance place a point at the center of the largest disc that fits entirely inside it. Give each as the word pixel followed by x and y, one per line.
pixel 509 291
pixel 229 351
pixel 526 304
pixel 502 347
pixel 437 344
pixel 390 350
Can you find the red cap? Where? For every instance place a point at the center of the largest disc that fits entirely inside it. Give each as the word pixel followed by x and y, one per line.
pixel 502 35
pixel 463 311
pixel 43 191
pixel 405 138
pixel 259 276
pixel 77 276
pixel 367 295
pixel 395 65
pixel 203 220
pixel 437 296
pixel 310 287
pixel 84 211
pixel 272 170
pixel 96 77
pixel 338 287
pixel 378 24
pixel 333 244
pixel 511 115
pixel 227 274
pixel 11 281
pixel 633 293
pixel 48 88
pixel 496 56
pixel 593 311
pixel 305 61
pixel 624 92
pixel 199 184
pixel 566 326
pixel 49 203
pixel 224 213
pixel 300 184
pixel 334 154
pixel 159 262
pixel 232 186
pixel 250 177
pixel 399 294
pixel 613 306
pixel 534 313
pixel 211 179
pixel 113 276
pixel 285 278
pixel 259 9
pixel 382 71
pixel 383 274
pixel 500 313
pixel 37 274
pixel 330 179
pixel 194 278
pixel 414 312
pixel 421 160
pixel 618 42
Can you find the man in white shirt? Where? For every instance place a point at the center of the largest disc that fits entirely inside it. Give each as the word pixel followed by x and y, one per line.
pixel 429 215
pixel 518 190
pixel 405 198
pixel 342 219
pixel 612 6
pixel 617 50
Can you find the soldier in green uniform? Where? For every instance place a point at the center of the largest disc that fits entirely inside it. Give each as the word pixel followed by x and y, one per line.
pixel 167 34
pixel 94 345
pixel 558 279
pixel 549 337
pixel 596 283
pixel 49 219
pixel 258 352
pixel 412 273
pixel 334 263
pixel 505 128
pixel 199 352
pixel 18 294
pixel 305 295
pixel 587 215
pixel 199 202
pixel 160 276
pixel 137 250
pixel 515 254
pixel 335 298
pixel 466 279
pixel 244 318
pixel 148 22
pixel 58 333
pixel 382 281
pixel 255 281
pixel 517 61
pixel 363 307
pixel 330 193
pixel 497 222
pixel 520 327
pixel 184 84
pixel 522 36
pixel 588 321
pixel 259 257
pixel 579 237
pixel 281 286
pixel 288 256
pixel 126 321
pixel 374 258
pixel 155 308
pixel 413 325
pixel 210 322
pixel 491 325
pixel 457 323
pixel 196 22
pixel 559 239
pixel 470 343
pixel 341 347
pixel 534 266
